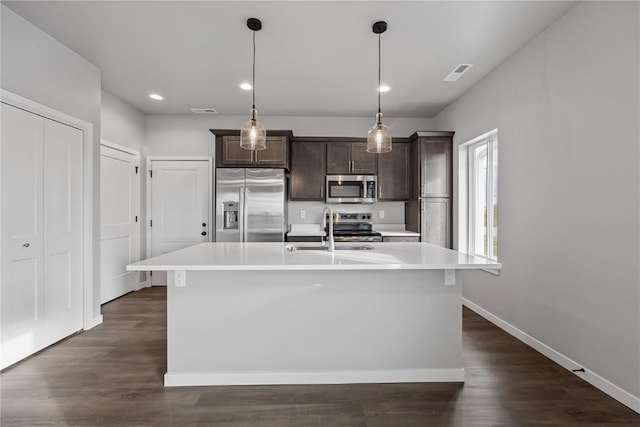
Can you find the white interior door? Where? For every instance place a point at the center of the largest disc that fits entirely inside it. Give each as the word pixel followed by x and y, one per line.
pixel 62 230
pixel 180 207
pixel 41 290
pixel 22 234
pixel 119 213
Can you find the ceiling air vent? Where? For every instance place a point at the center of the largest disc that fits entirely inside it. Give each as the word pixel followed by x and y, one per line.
pixel 457 72
pixel 204 110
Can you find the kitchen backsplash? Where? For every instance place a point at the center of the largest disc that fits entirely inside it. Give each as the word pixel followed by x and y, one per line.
pixel 311 212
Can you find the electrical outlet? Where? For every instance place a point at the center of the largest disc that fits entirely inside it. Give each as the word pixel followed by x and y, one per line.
pixel 381 214
pixel 303 214
pixel 449 277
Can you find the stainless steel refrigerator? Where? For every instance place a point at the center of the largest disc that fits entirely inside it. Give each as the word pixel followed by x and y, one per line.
pixel 250 205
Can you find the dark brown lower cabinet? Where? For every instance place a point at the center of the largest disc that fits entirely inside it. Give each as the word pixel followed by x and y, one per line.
pixel 431 217
pixel 436 221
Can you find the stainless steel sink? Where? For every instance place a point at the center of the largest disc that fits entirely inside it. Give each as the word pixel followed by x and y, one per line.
pixel 292 248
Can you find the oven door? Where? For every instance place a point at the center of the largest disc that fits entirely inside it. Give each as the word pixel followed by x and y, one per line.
pixel 349 189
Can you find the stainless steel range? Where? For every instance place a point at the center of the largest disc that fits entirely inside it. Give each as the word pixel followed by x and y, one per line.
pixel 352 227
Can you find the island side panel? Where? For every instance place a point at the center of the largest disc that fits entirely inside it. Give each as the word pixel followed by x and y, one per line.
pixel 284 327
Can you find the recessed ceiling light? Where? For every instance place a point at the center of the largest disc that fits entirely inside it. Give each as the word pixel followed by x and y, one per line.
pixel 384 88
pixel 156 96
pixel 245 86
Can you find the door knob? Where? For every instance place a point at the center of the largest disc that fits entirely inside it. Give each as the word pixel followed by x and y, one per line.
pixel 26 245
pixel 204 224
pixel 204 233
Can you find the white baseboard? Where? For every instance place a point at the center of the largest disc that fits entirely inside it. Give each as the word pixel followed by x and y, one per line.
pixel 93 323
pixel 325 377
pixel 592 378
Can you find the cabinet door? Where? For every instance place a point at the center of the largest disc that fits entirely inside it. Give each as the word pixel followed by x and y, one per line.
pixel 233 155
pixel 276 154
pixel 338 158
pixel 308 165
pixel 436 221
pixel 362 162
pixel 435 166
pixel 394 173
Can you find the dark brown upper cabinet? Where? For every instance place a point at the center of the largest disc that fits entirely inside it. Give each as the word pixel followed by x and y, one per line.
pixel 435 171
pixel 394 173
pixel 350 158
pixel 308 168
pixel 230 154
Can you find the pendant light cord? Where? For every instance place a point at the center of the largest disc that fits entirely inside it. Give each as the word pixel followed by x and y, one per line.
pixel 379 73
pixel 253 81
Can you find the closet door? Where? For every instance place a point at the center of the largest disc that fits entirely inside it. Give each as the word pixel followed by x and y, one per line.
pixel 41 289
pixel 62 218
pixel 22 234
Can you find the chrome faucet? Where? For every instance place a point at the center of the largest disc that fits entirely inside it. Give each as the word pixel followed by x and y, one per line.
pixel 324 226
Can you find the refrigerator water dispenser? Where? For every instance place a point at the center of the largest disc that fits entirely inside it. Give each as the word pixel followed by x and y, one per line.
pixel 230 215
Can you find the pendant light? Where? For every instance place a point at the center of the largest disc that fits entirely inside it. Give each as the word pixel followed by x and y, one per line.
pixel 379 137
pixel 253 135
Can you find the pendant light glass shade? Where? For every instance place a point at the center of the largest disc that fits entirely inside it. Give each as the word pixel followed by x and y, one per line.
pixel 253 134
pixel 379 137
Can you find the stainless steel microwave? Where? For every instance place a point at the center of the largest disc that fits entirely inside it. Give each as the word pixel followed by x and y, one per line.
pixel 352 189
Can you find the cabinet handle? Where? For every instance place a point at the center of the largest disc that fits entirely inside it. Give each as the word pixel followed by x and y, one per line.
pixel 379 191
pixel 204 233
pixel 26 245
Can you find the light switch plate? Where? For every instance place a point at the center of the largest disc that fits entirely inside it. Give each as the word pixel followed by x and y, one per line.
pixel 381 214
pixel 303 214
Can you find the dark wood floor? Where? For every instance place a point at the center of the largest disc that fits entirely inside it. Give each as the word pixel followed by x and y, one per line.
pixel 112 376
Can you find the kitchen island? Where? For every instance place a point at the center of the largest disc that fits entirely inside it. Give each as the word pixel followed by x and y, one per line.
pixel 259 313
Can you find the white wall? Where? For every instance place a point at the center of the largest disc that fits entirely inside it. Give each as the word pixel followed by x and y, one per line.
pixel 567 111
pixel 121 123
pixel 38 67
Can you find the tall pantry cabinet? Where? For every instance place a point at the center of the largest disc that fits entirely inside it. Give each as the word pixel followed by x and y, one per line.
pixel 41 232
pixel 428 212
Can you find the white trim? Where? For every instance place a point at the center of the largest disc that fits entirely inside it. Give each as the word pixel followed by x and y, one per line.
pixel 326 377
pixel 150 159
pixel 89 321
pixel 592 378
pixel 95 322
pixel 120 148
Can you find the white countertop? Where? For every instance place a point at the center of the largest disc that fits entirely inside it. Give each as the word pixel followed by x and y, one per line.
pixel 275 256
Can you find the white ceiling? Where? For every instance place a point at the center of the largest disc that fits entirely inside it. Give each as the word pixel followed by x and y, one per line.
pixel 313 58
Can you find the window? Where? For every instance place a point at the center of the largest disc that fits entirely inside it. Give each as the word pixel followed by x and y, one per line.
pixel 478 189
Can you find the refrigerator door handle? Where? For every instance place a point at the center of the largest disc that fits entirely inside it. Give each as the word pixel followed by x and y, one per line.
pixel 241 217
pixel 245 215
